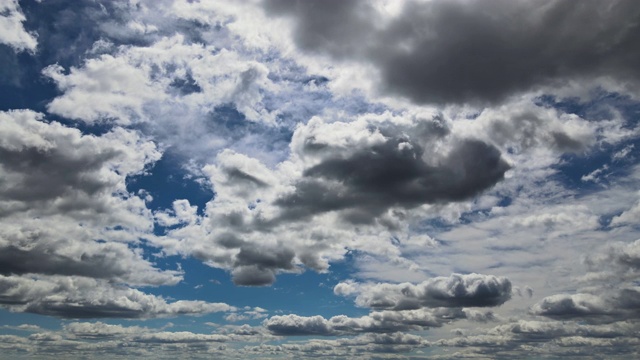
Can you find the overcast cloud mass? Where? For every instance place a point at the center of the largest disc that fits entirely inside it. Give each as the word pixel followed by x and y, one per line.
pixel 420 179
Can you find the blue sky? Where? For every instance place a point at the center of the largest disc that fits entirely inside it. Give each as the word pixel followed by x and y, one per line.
pixel 437 179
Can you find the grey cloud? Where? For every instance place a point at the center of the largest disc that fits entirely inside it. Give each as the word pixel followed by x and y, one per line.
pixel 100 330
pixel 333 26
pixel 623 259
pixel 375 322
pixel 526 126
pixel 457 290
pixel 610 306
pixel 474 51
pixel 371 180
pixel 180 337
pixel 95 260
pixel 77 297
pixel 360 170
pixel 359 346
pixel 48 168
pixel 256 266
pixel 613 294
pixel 543 339
pixel 51 173
pixel 81 340
pixel 298 325
pixel 253 275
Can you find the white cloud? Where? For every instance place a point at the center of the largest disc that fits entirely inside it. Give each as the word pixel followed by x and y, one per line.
pixel 12 31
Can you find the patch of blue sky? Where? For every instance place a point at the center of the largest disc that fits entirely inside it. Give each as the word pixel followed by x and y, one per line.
pixel 599 107
pixel 11 319
pixel 573 169
pixel 308 293
pixel 168 181
pixel 22 85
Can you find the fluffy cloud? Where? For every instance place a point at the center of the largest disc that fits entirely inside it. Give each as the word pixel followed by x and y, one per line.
pixel 471 51
pixel 70 225
pixel 63 191
pixel 376 322
pixel 12 31
pixel 613 306
pixel 365 172
pixel 83 297
pixel 458 290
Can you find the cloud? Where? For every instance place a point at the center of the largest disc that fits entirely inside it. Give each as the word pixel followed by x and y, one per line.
pixel 612 306
pixel 369 171
pixel 70 227
pixel 394 175
pixel 81 297
pixel 180 337
pixel 559 338
pixel 471 51
pixel 52 169
pixel 86 339
pixel 145 83
pixel 63 191
pixel 376 322
pixel 12 31
pixel 627 217
pixel 522 126
pixel 458 290
pixel 616 265
pixel 366 167
pixel 99 330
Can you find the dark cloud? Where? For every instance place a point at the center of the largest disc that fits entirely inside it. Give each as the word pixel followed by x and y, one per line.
pixel 474 51
pixel 52 173
pixel 253 275
pixel 471 290
pixel 257 266
pixel 393 174
pixel 80 297
pixel 610 306
pixel 14 260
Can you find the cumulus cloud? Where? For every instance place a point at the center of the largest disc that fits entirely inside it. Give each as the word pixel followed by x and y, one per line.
pixel 611 306
pixel 522 126
pixel 375 322
pixel 82 297
pixel 471 51
pixel 52 169
pixel 70 226
pixel 63 191
pixel 617 265
pixel 458 290
pixel 395 173
pixel 170 75
pixel 12 31
pixel 365 172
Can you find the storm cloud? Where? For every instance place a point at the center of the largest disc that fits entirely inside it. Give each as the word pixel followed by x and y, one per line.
pixel 473 51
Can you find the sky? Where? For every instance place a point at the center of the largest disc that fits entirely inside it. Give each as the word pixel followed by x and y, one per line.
pixel 341 179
